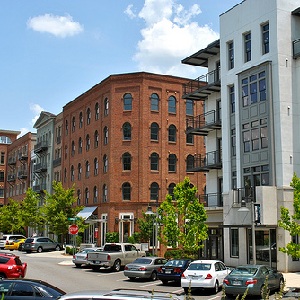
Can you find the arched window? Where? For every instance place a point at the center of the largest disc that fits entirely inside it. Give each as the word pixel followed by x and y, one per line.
pixel 126 131
pixel 88 142
pixel 80 145
pixel 73 148
pixel 65 175
pixel 106 106
pixel 154 129
pixel 126 191
pixel 80 119
pixel 171 190
pixel 66 127
pixel 87 169
pixel 172 105
pixel 73 124
pixel 154 189
pixel 97 111
pixel 127 102
pixel 104 193
pixel 72 173
pixel 154 159
pixel 86 196
pixel 79 171
pixel 154 102
pixel 96 139
pixel 126 159
pixel 172 133
pixel 105 163
pixel 190 162
pixel 172 160
pixel 189 138
pixel 95 192
pixel 105 135
pixel 96 166
pixel 88 116
pixel 78 197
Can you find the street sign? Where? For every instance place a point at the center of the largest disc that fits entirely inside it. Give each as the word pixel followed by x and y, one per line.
pixel 73 229
pixel 73 219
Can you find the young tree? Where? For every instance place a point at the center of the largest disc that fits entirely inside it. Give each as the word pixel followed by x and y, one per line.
pixel 291 223
pixel 183 219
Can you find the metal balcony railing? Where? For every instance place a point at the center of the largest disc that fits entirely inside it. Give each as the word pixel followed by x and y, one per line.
pixel 246 194
pixel 56 162
pixel 203 163
pixel 22 174
pixel 12 160
pixel 41 146
pixel 40 167
pixel 11 177
pixel 296 48
pixel 23 156
pixel 39 187
pixel 211 199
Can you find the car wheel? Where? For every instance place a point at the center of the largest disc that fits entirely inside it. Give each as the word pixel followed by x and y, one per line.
pixel 216 287
pixel 95 268
pixel 131 278
pixel 77 265
pixel 117 265
pixel 39 249
pixel 153 276
pixel 2 275
pixel 57 248
pixel 164 281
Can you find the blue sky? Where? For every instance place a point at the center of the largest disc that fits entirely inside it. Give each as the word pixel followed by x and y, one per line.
pixel 53 51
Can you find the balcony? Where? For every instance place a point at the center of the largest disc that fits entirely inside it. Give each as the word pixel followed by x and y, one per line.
pixel 56 162
pixel 23 156
pixel 11 177
pixel 296 48
pixel 40 168
pixel 204 163
pixel 22 174
pixel 39 188
pixel 41 147
pixel 246 194
pixel 211 199
pixel 12 161
pixel 202 124
pixel 203 86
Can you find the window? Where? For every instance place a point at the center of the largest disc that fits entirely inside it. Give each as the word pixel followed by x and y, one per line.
pixel 171 190
pixel 126 191
pixel 2 158
pixel 72 173
pixel 88 142
pixel 1 193
pixel 265 38
pixel 172 105
pixel 126 159
pixel 256 176
pixel 80 145
pixel 234 242
pixel 73 148
pixel 88 116
pixel 154 189
pixel 233 142
pixel 78 197
pixel 66 127
pixel 87 169
pixel 232 99
pixel 95 196
pixel 106 106
pixel 154 159
pixel 80 119
pixel 86 196
pixel 24 290
pixel 105 135
pixel 105 163
pixel 127 102
pixel 172 160
pixel 189 107
pixel 73 124
pixel 172 133
pixel 104 193
pixel 126 131
pixel 189 138
pixel 154 102
pixel 230 55
pixel 190 162
pixel 79 171
pixel 247 46
pixel 1 176
pixel 97 111
pixel 96 166
pixel 154 128
pixel 96 139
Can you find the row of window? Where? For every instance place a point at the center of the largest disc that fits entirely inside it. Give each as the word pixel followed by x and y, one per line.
pixel 126 193
pixel 247 47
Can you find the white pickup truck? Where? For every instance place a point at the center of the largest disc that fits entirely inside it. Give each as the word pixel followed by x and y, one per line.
pixel 114 256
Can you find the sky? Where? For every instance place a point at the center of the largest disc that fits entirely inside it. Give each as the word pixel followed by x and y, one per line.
pixel 53 51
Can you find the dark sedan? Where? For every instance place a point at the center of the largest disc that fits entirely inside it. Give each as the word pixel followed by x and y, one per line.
pixel 28 289
pixel 253 278
pixel 173 270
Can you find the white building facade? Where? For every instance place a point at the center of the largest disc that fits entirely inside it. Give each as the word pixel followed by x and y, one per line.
pixel 255 88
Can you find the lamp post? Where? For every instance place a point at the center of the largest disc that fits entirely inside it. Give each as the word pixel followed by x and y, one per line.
pixel 155 227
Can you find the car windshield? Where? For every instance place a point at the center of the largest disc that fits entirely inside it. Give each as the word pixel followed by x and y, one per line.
pixel 244 271
pixel 144 261
pixel 200 267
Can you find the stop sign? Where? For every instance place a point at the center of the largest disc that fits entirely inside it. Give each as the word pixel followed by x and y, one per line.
pixel 73 229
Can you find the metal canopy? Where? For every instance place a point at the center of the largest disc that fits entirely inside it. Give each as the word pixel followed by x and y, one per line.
pixel 87 212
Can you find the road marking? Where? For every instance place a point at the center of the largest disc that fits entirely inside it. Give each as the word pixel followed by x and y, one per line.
pixel 106 274
pixel 150 284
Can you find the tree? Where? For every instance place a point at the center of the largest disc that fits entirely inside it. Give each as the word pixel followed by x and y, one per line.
pixel 291 223
pixel 183 219
pixel 59 207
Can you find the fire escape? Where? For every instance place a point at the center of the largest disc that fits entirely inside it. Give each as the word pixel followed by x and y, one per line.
pixel 40 167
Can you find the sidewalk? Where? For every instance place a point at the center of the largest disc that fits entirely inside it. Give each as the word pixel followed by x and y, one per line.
pixel 292 279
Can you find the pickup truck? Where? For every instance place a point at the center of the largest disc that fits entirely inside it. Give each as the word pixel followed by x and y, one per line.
pixel 114 256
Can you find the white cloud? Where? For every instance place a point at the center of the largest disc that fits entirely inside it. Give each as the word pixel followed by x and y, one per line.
pixel 36 109
pixel 60 26
pixel 129 12
pixel 169 36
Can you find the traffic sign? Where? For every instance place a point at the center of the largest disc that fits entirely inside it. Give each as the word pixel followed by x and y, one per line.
pixel 73 229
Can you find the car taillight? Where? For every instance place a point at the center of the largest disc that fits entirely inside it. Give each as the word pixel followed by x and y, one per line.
pixel 226 281
pixel 108 257
pixel 7 242
pixel 251 281
pixel 208 276
pixel 182 275
pixel 125 268
pixel 143 269
pixel 74 256
pixel 159 270
pixel 177 270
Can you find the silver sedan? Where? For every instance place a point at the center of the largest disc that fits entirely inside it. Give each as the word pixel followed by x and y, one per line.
pixel 144 267
pixel 80 258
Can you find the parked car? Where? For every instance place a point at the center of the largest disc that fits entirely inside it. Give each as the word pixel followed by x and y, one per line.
pixel 122 294
pixel 144 267
pixel 40 244
pixel 11 266
pixel 253 278
pixel 173 270
pixel 204 274
pixel 28 289
pixel 80 258
pixel 15 244
pixel 6 238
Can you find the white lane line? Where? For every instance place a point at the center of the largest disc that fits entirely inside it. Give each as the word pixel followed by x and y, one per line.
pixel 150 284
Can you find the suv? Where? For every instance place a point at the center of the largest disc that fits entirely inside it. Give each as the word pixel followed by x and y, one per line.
pixel 40 244
pixel 6 238
pixel 11 266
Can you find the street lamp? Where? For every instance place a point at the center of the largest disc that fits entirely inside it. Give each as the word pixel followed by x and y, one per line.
pixel 155 229
pixel 244 208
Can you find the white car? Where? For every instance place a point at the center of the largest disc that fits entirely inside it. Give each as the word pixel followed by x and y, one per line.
pixel 204 274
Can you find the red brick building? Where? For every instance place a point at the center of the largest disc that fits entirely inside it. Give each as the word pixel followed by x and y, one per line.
pixel 124 147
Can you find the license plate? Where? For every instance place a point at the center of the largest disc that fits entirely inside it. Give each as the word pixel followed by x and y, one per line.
pixel 168 272
pixel 236 282
pixel 97 262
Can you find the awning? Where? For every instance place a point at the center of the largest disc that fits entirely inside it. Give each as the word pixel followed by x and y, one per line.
pixel 87 212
